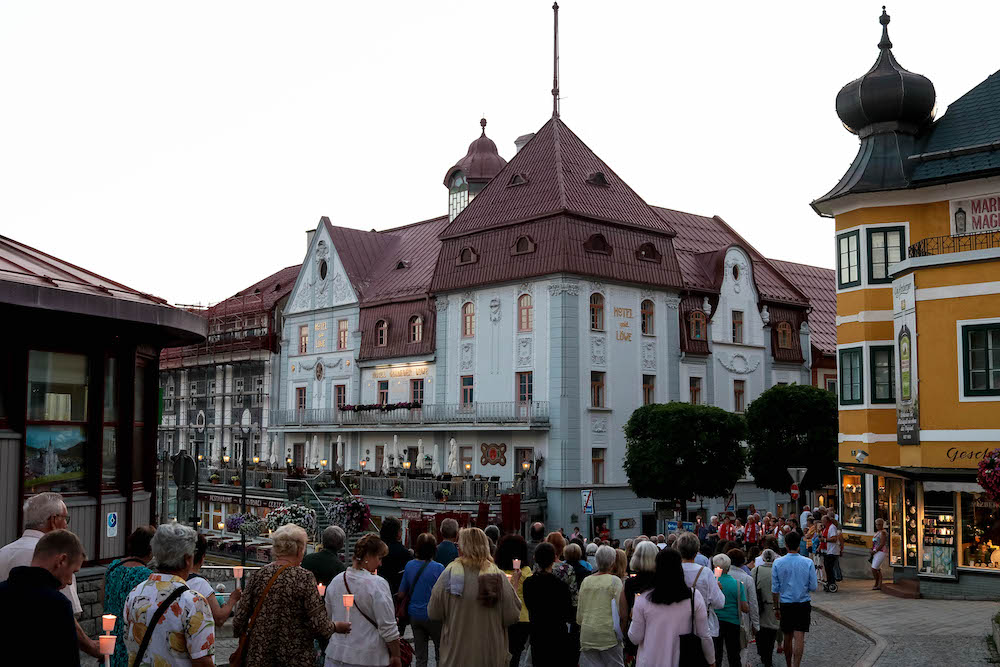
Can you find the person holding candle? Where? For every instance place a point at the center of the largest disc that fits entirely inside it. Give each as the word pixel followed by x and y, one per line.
pixel 475 603
pixel 728 640
pixel 291 616
pixel 599 643
pixel 33 612
pixel 418 581
pixel 701 577
pixel 550 612
pixel 184 629
pixel 643 566
pixel 374 636
pixel 123 575
pixel 512 558
pixel 196 582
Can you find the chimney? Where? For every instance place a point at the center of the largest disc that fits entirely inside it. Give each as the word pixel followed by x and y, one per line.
pixel 309 238
pixel 522 140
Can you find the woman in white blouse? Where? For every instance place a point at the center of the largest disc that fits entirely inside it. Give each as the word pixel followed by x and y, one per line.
pixel 373 640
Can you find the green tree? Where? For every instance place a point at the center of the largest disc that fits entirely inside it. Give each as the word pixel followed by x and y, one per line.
pixel 675 451
pixel 793 426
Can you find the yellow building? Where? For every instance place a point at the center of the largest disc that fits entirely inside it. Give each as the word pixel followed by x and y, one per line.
pixel 918 328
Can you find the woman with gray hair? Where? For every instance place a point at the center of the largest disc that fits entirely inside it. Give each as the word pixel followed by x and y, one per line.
pixel 643 567
pixel 768 620
pixel 187 630
pixel 729 615
pixel 599 644
pixel 291 613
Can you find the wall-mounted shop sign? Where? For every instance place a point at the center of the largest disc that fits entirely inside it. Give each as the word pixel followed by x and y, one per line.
pixel 904 317
pixel 975 215
pixel 409 371
pixel 624 317
pixel 251 502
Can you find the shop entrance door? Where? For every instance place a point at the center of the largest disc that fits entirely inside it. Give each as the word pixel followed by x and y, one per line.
pixel 648 524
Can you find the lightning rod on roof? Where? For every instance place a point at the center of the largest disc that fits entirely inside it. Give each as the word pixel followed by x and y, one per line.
pixel 555 62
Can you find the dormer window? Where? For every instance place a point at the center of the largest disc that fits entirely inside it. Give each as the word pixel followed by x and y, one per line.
pixel 381 333
pixel 784 335
pixel 698 323
pixel 597 243
pixel 517 179
pixel 402 264
pixel 466 255
pixel 416 329
pixel 523 246
pixel 598 178
pixel 647 252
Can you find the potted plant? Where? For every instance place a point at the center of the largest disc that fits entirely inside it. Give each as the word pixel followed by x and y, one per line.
pixel 215 478
pixel 295 513
pixel 396 491
pixel 235 480
pixel 355 488
pixel 321 485
pixel 266 483
pixel 442 494
pixel 989 474
pixel 351 514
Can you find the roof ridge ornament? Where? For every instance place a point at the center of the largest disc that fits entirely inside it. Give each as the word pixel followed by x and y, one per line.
pixel 555 61
pixel 884 20
pixel 482 124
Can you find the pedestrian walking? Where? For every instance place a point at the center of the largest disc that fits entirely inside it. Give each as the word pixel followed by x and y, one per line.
pixel 33 612
pixel 513 548
pixel 419 577
pixel 832 539
pixel 447 550
pixel 701 578
pixel 793 577
pixel 200 584
pixel 122 575
pixel 599 643
pixel 326 564
pixel 768 621
pixel 643 565
pixel 749 620
pixel 550 612
pixel 729 640
pixel 880 544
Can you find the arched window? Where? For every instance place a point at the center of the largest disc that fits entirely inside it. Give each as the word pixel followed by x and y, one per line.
pixel 468 320
pixel 785 335
pixel 647 317
pixel 523 246
pixel 596 312
pixel 416 329
pixel 525 313
pixel 467 256
pixel 698 325
pixel 597 243
pixel 381 333
pixel 647 252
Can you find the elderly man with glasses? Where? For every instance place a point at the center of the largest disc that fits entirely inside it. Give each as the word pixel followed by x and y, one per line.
pixel 44 513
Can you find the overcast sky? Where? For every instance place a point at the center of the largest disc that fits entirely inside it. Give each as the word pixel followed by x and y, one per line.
pixel 183 148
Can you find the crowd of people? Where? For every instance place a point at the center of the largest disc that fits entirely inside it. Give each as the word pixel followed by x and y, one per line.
pixel 479 597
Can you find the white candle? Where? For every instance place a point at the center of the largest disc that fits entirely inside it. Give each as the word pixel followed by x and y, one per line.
pixel 238 571
pixel 322 590
pixel 107 644
pixel 108 622
pixel 348 603
pixel 718 572
pixel 517 564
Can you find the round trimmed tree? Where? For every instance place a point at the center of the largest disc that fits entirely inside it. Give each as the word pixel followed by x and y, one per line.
pixel 676 450
pixel 793 426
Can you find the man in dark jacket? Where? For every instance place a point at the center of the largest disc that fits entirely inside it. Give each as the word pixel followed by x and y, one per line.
pixel 326 564
pixel 537 535
pixel 32 609
pixel 447 550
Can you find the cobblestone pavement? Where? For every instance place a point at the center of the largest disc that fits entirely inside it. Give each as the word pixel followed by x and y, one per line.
pixel 918 632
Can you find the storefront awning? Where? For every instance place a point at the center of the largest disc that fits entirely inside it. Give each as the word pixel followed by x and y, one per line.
pixel 941 475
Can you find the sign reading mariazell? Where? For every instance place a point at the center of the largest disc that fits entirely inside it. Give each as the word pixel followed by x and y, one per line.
pixel 975 215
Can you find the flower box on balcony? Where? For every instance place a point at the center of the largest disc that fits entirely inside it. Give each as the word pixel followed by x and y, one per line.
pixel 266 484
pixel 214 478
pixel 234 480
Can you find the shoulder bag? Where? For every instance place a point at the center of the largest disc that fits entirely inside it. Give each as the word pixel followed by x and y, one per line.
pixel 240 654
pixel 157 615
pixel 744 633
pixel 405 650
pixel 691 653
pixel 403 604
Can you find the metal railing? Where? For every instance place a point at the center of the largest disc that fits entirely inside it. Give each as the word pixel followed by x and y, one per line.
pixel 942 245
pixel 502 412
pixel 459 490
pixel 254 477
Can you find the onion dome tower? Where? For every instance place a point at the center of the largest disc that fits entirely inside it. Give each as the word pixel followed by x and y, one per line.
pixel 471 174
pixel 888 108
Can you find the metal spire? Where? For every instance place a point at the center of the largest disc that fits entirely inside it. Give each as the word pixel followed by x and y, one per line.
pixel 555 63
pixel 884 20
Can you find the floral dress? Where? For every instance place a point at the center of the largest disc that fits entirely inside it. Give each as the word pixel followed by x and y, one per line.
pixel 185 632
pixel 118 583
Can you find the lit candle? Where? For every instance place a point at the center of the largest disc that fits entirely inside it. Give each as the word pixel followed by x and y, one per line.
pixel 348 603
pixel 322 590
pixel 237 574
pixel 718 572
pixel 108 622
pixel 517 564
pixel 107 644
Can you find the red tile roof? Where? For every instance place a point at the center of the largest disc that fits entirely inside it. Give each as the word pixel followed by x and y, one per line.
pixel 698 243
pixel 261 296
pixel 820 286
pixel 397 316
pixel 557 166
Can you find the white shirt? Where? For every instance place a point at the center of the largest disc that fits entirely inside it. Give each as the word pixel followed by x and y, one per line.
pixel 200 584
pixel 20 552
pixel 804 519
pixel 709 589
pixel 832 544
pixel 364 644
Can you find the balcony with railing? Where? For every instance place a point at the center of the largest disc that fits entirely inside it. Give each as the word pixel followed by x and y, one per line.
pixel 533 414
pixel 943 245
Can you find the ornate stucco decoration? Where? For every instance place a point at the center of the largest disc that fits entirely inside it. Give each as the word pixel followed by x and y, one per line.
pixel 804 328
pixel 649 356
pixel 524 352
pixel 706 306
pixel 647 294
pixel 740 274
pixel 566 287
pixel 673 302
pixel 322 255
pixel 495 310
pixel 441 303
pixel 467 353
pixel 525 288
pixel 469 296
pixel 765 315
pixel 597 286
pixel 599 424
pixel 598 350
pixel 738 363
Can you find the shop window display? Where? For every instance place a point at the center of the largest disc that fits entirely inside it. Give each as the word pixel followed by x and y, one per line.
pixel 56 437
pixel 980 545
pixel 853 493
pixel 938 534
